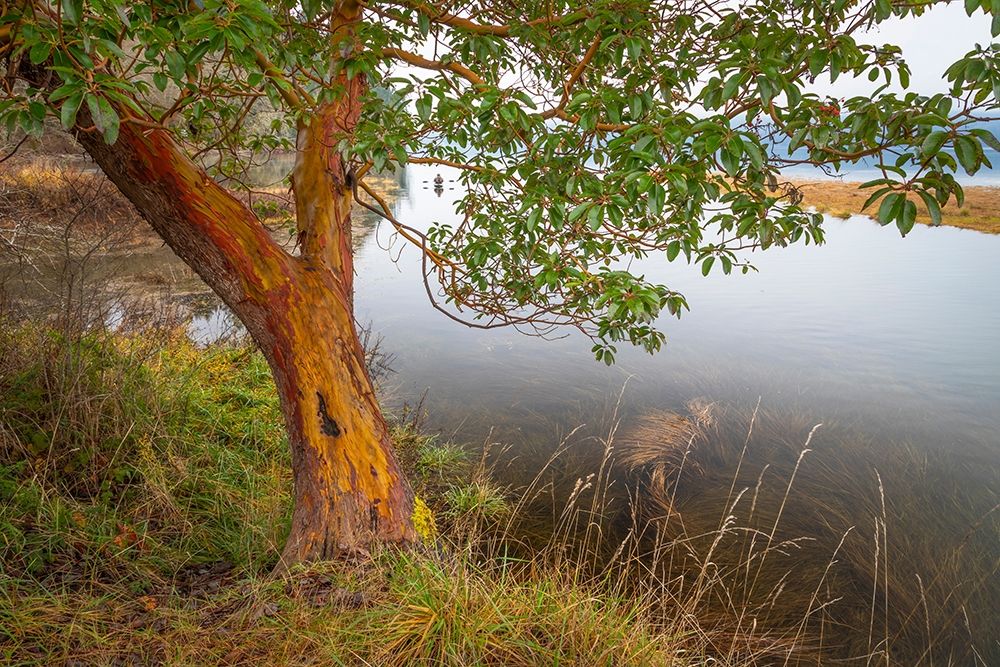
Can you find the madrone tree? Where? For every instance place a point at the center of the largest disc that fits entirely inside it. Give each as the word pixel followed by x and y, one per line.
pixel 585 133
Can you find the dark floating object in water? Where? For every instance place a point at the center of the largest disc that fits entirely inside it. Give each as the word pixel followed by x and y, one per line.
pixel 438 180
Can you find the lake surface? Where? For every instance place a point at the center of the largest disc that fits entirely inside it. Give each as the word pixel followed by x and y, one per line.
pixel 890 342
pixel 899 333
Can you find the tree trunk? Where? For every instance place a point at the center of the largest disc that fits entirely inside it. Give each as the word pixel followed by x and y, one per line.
pixel 349 490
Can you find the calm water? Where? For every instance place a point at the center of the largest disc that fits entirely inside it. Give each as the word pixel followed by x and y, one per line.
pixel 900 334
pixel 897 337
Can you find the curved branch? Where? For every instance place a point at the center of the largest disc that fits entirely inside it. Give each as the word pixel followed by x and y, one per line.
pixel 291 93
pixel 437 65
pixel 407 232
pixel 468 25
pixel 574 77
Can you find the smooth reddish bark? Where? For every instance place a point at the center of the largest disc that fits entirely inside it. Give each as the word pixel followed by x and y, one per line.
pixel 349 490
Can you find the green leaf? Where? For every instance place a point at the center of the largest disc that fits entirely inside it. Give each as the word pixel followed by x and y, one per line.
pixel 874 197
pixel 312 8
pixel 933 143
pixel 424 108
pixel 906 217
pixel 67 114
pixel 72 10
pixel 175 64
pixel 95 112
pixel 578 210
pixel 987 138
pixel 732 85
pixel 111 121
pixel 595 217
pixel 965 150
pixel 933 208
pixel 730 161
pixel 533 219
pixel 39 53
pixel 889 208
pixel 65 91
pixel 706 266
pixel 657 196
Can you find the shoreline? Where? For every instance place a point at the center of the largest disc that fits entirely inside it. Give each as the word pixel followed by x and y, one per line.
pixel 842 199
pixel 36 188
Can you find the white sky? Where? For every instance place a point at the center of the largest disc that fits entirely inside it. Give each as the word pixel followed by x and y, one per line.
pixel 930 43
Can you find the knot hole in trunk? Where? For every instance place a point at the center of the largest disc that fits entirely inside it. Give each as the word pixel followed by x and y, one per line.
pixel 327 424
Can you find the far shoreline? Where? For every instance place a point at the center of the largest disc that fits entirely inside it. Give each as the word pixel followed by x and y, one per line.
pixel 842 199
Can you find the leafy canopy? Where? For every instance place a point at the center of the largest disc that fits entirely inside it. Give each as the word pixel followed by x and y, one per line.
pixel 587 133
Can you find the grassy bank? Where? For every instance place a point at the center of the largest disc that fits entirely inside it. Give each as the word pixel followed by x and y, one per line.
pixel 980 210
pixel 144 494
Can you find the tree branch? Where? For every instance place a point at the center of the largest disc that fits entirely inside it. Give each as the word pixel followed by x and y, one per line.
pixel 468 25
pixel 200 220
pixel 291 93
pixel 437 65
pixel 574 77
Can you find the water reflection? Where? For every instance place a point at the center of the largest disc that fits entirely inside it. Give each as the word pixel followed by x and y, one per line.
pixel 895 332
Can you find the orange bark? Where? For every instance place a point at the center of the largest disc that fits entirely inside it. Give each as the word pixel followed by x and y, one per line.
pixel 349 490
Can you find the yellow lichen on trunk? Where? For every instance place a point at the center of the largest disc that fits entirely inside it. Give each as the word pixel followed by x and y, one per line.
pixel 349 488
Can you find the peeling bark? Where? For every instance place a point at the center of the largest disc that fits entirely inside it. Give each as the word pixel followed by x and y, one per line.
pixel 349 490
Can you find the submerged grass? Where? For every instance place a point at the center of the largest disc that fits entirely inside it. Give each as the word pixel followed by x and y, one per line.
pixel 144 495
pixel 886 554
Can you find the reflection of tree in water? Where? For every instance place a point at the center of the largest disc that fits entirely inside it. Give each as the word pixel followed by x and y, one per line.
pixel 390 187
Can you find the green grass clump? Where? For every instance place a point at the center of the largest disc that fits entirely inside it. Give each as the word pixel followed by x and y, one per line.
pixel 438 461
pixel 480 498
pixel 142 451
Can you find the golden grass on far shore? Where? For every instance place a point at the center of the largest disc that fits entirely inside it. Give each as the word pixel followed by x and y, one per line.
pixel 842 199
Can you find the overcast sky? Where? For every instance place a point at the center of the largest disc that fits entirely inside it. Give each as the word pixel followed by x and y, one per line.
pixel 930 44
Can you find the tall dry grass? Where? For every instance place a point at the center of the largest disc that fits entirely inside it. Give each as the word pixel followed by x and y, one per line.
pixel 844 548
